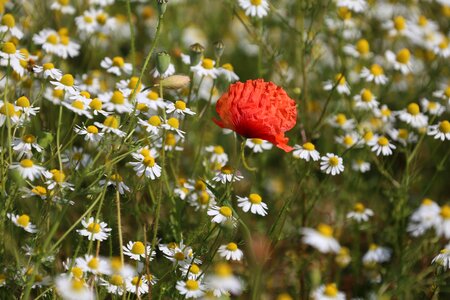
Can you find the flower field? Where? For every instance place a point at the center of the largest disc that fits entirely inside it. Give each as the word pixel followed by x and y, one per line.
pixel 233 149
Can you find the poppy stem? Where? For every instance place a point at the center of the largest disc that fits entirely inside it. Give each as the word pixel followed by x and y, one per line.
pixel 244 162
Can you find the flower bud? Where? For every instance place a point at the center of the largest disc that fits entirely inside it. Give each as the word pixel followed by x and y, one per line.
pixel 162 6
pixel 175 82
pixel 218 49
pixel 195 53
pixel 162 62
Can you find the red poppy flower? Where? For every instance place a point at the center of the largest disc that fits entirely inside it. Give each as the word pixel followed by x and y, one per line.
pixel 258 109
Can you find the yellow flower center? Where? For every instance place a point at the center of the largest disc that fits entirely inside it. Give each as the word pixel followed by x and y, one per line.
pixel 96 104
pixel 368 136
pixel 344 13
pixel 194 269
pixel 200 185
pixel 223 269
pixel 117 98
pixel 8 20
pixel 39 190
pixel 383 141
pixel 64 40
pixel 444 126
pixel 58 93
pixel 228 67
pixel 447 91
pixel 58 175
pixel 309 146
pixel 93 228
pixel 78 104
pixel 399 23
pixel 179 256
pixel 48 66
pixel 203 198
pixel 362 46
pixel 445 212
pixel 142 107
pixel 93 263
pixel 23 220
pixel 77 284
pixel 116 264
pixel 218 150
pixel 403 133
pixel 413 109
pixel 208 63
pixel 52 39
pixel 422 21
pixel 173 122
pixel 26 163
pixel 88 19
pixel 63 2
pixel 403 56
pixel 138 248
pixel 340 78
pixel 180 105
pixel 325 230
pixel 28 138
pixel 116 280
pixel 112 122
pixel 359 207
pixel 149 161
pixel 226 211
pixel 348 140
pixel 67 80
pixel 331 290
pixel 77 272
pixel 116 177
pixel 334 161
pixel 232 246
pixel 118 61
pixel 255 198
pixel 7 109
pixel 341 119
pixel 373 247
pixel 427 201
pixel 136 281
pixel 376 70
pixel 133 83
pixel 153 95
pixel 23 102
pixel 257 141
pixel 192 285
pixel 9 48
pixel 154 121
pixel 92 129
pixel 101 18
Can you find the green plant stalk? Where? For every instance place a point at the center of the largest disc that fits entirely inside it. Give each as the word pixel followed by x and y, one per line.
pixel 133 43
pixel 119 225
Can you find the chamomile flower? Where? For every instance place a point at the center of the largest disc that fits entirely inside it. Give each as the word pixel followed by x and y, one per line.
pixel 96 106
pixel 152 100
pixel 443 94
pixel 353 5
pixel 173 124
pixel 322 239
pixel 230 251
pixel 343 258
pixel 48 70
pixel 442 48
pixel 117 181
pixel 227 174
pixel 443 258
pixel 206 68
pixel 90 133
pixel 87 23
pixel 9 111
pixel 255 8
pixel 432 107
pixel 412 116
pixel 24 146
pixel 55 96
pixel 57 178
pixel 180 255
pixel 381 145
pixel 28 169
pixel 341 121
pixel 365 100
pixel 67 84
pixel 22 221
pixel 75 158
pixel 202 200
pixel 70 288
pixel 136 250
pixel 360 166
pixel 400 61
pixel 111 125
pixel 191 288
pixel 403 136
pixel 114 285
pixel 423 218
pixel 374 74
pixel 94 230
pixel 258 145
pixel 146 166
pixel 331 164
pixel 92 264
pixel 396 27
pixel 222 282
pixel 376 255
pixel 307 152
pixel 38 190
pixel 191 271
pixel 440 131
pixel 360 213
pixel 79 107
pixel 351 139
pixel 116 66
pixel 25 108
pixel 341 84
pixel 63 6
pixel 179 109
pixel 116 101
pixel 327 292
pixel 221 214
pixel 8 25
pixel 253 203
pixel 137 285
pixel 442 222
pixel 227 71
pixel 218 155
pixel 9 55
pixel 360 49
pixel 385 114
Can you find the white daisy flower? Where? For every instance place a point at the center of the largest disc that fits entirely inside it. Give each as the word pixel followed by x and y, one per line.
pixel 137 285
pixel 90 133
pixel 341 121
pixel 48 70
pixel 396 27
pixel 191 288
pixel 67 84
pixel 136 250
pixel 258 145
pixel 94 230
pixel 423 218
pixel 87 23
pixel 442 222
pixel 111 125
pixel 400 61
pixel 22 221
pixel 222 282
pixel 227 174
pixel 79 107
pixel 403 136
pixel 206 68
pixel 384 113
pixel 342 86
pixel 440 131
pixel 230 251
pixel 322 239
pixel 227 71
pixel 376 255
pixel 443 258
pixel 27 169
pixel 55 96
pixel 412 116
pixel 116 101
pixel 116 66
pixel 360 213
pixel 191 271
pixel 253 203
pixel 178 109
pixel 63 6
pixel 331 164
pixel 9 111
pixel 180 255
pixel 351 139
pixel 92 264
pixel 354 5
pixel 152 125
pixel 24 146
pixel 173 124
pixel 38 190
pixel 57 178
pixel 365 100
pixel 327 292
pixel 115 284
pixel 146 166
pixel 360 50
pixel 9 55
pixel 151 99
pixel 374 74
pixel 381 145
pixel 255 8
pixel 360 166
pixel 221 214
pixel 8 24
pixel 117 181
pixel 432 107
pixel 443 94
pixel 70 288
pixel 218 155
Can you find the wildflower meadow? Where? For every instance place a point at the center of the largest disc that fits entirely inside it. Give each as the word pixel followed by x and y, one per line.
pixel 224 149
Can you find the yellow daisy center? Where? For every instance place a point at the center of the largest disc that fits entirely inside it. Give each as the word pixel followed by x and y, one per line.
pixel 26 163
pixel 9 48
pixel 226 211
pixel 223 269
pixel 67 80
pixel 340 78
pixel 52 39
pixel 403 56
pixel 23 102
pixel 373 247
pixel 112 122
pixel 427 201
pixel 133 83
pixel 383 141
pixel 256 2
pixel 96 104
pixel 138 248
pixel 444 126
pixel 334 161
pixel 116 280
pixel 23 220
pixel 94 228
pixel 362 46
pixel 58 94
pixel 309 146
pixel 447 91
pixel 77 272
pixel 208 64
pixel 257 141
pixel 136 281
pixel 255 198
pixel 341 119
pixel 228 67
pixel 78 104
pixel 88 19
pixel 422 21
pixel 77 284
pixel 180 105
pixel 325 230
pixel 399 23
pixel 194 269
pixel 154 121
pixel 179 256
pixel 348 140
pixel 445 212
pixel 200 185
pixel 63 2
pixel 359 207
pixel 368 136
pixel 366 95
pixel 203 198
pixel 173 122
pixel 153 95
pixel 344 13
pixel 376 70
pixel 218 150
pixel 413 109
pixel 192 285
pixel 149 161
pixel 93 263
pixel 232 246
pixel 39 190
pixel 9 21
pixel 331 290
pixel 117 98
pixel 101 18
pixel 7 109
pixel 118 61
pixel 28 138
pixel 403 133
